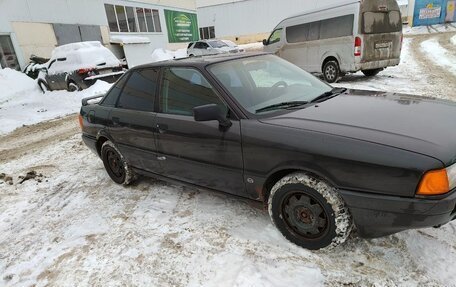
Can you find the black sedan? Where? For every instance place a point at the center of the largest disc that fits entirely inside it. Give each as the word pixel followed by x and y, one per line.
pixel 321 159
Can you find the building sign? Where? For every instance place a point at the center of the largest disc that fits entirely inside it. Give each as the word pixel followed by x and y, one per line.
pixel 182 26
pixel 430 12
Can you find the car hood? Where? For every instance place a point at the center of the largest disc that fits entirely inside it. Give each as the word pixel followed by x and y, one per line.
pixel 417 124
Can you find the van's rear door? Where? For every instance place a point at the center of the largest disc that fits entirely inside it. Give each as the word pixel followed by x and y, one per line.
pixel 382 35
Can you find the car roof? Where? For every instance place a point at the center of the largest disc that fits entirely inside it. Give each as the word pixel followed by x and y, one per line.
pixel 200 61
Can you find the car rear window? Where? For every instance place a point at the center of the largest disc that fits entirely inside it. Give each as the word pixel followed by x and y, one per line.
pixel 139 91
pixel 382 22
pixel 111 98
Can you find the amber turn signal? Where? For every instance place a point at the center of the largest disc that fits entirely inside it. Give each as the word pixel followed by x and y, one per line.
pixel 434 182
pixel 80 121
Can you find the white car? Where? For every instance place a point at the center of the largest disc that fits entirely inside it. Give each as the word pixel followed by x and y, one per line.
pixel 210 47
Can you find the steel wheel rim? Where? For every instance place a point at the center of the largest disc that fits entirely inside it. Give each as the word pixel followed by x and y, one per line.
pixel 115 164
pixel 330 72
pixel 305 215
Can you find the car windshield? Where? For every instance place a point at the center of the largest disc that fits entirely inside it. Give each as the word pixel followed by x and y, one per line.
pixel 217 44
pixel 265 83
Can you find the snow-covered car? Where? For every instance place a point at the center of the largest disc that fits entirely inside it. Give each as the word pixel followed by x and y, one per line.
pixel 231 44
pixel 319 158
pixel 77 66
pixel 210 47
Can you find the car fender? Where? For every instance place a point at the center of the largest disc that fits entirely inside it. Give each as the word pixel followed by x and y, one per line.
pixel 327 55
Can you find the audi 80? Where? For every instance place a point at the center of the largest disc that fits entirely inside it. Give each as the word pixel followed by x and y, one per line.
pixel 323 160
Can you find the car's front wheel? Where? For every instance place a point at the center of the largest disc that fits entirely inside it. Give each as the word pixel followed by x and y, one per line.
pixel 43 86
pixel 73 87
pixel 331 71
pixel 309 212
pixel 115 164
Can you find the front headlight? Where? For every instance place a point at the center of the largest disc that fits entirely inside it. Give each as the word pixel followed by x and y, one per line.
pixel 437 182
pixel 451 173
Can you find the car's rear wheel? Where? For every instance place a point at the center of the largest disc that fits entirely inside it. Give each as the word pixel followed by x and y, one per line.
pixel 73 87
pixel 43 86
pixel 309 212
pixel 331 71
pixel 371 73
pixel 115 164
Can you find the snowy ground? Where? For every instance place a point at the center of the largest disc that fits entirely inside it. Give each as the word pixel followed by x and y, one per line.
pixel 68 224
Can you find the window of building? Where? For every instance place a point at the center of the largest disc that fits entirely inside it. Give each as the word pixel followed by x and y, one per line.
pixel 132 19
pixel 149 20
pixel 8 58
pixel 141 19
pixel 186 88
pixel 139 91
pixel 330 28
pixel 207 32
pixel 132 23
pixel 112 19
pixel 121 18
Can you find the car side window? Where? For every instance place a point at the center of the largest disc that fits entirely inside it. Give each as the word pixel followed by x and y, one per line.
pixel 139 91
pixel 186 88
pixel 111 97
pixel 275 36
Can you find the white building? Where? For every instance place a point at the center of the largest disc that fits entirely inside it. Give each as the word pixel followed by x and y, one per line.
pixel 36 27
pixel 249 20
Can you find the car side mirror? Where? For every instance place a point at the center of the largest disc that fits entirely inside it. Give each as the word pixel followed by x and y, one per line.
pixel 265 42
pixel 210 112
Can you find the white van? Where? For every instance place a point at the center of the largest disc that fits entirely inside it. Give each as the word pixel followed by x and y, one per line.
pixel 351 36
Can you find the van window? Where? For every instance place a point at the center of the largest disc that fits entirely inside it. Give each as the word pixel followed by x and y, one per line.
pixel 275 36
pixel 325 29
pixel 382 22
pixel 337 27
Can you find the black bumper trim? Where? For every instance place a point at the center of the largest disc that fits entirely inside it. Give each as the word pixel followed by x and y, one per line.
pixel 379 215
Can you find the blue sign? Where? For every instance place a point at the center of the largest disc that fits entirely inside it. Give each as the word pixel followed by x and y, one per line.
pixel 429 12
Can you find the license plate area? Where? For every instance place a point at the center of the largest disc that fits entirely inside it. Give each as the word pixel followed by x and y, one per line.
pixel 383 45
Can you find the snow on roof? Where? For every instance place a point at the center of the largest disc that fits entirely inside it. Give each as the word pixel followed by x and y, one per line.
pixel 402 2
pixel 82 55
pixel 129 40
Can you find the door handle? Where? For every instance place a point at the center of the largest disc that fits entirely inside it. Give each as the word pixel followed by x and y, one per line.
pixel 115 121
pixel 161 158
pixel 162 128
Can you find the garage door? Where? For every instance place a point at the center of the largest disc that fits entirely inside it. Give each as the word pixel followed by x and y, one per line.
pixel 69 33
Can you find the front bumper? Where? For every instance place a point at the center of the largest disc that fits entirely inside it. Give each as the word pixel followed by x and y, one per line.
pixel 380 215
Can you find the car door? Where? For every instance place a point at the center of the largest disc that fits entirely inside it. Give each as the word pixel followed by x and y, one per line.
pixel 200 153
pixel 132 120
pixel 55 76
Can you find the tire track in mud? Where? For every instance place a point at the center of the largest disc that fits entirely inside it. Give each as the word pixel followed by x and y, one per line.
pixel 442 82
pixel 29 139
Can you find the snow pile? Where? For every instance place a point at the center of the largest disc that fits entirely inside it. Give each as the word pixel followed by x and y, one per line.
pixel 257 46
pixel 163 55
pixel 453 40
pixel 129 40
pixel 13 83
pixel 439 55
pixel 23 103
pixel 432 29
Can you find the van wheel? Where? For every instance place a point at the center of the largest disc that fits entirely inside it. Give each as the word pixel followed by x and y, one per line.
pixel 371 73
pixel 309 212
pixel 115 164
pixel 73 87
pixel 331 71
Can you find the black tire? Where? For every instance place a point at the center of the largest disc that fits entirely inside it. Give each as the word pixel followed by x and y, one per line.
pixel 73 87
pixel 331 71
pixel 44 87
pixel 309 212
pixel 116 166
pixel 371 73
